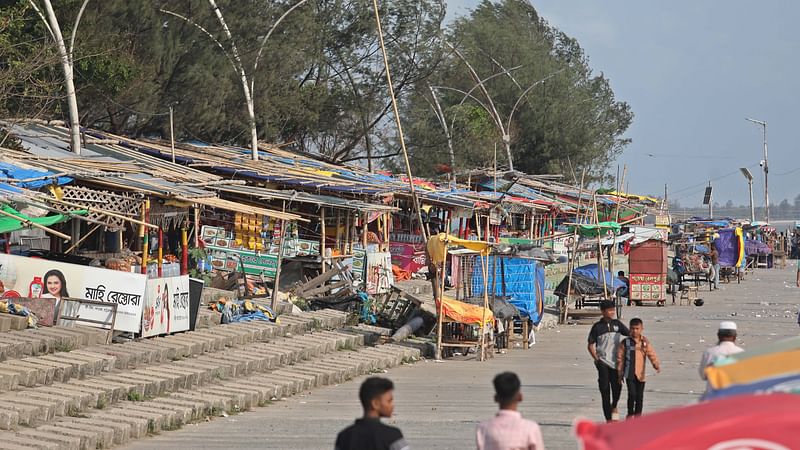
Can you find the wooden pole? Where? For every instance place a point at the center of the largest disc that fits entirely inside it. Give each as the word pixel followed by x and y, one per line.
pixel 160 262
pixel 171 135
pixel 274 302
pixel 364 218
pixel 338 244
pixel 98 210
pixel 481 327
pixel 602 271
pixel 185 248
pixel 27 222
pixel 348 249
pixel 571 262
pixel 397 121
pixel 322 243
pixel 440 306
pixel 196 225
pixel 146 237
pixel 80 241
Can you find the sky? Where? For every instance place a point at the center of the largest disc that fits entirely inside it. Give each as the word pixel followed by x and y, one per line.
pixel 692 71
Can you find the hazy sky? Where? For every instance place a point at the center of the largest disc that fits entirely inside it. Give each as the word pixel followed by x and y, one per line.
pixel 692 71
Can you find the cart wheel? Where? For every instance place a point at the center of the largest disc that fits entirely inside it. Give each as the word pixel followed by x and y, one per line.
pixel 661 303
pixel 638 303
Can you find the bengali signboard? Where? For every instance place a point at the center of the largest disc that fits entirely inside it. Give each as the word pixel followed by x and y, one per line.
pixel 255 263
pixel 41 278
pixel 648 286
pixel 407 256
pixel 166 306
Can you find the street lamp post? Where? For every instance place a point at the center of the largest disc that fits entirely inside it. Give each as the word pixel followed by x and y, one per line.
pixel 766 167
pixel 749 176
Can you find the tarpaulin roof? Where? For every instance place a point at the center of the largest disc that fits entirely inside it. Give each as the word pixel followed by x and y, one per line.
pixel 10 224
pixel 592 230
pixel 466 313
pixel 28 177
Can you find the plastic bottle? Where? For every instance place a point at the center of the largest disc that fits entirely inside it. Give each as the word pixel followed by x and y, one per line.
pixel 35 288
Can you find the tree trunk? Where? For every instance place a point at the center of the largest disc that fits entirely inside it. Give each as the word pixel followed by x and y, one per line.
pixel 69 84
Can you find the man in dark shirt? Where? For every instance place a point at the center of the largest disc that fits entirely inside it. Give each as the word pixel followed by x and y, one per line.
pixel 368 433
pixel 713 254
pixel 604 339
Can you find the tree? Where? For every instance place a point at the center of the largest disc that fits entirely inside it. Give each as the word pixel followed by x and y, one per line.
pixel 572 117
pixel 65 55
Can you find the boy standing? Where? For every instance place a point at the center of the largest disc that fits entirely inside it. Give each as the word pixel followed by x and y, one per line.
pixel 631 365
pixel 368 433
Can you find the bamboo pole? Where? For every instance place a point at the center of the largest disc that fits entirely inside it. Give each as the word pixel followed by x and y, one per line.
pixel 322 243
pixel 80 241
pixel 274 302
pixel 185 248
pixel 160 262
pixel 146 235
pixel 196 225
pixel 571 263
pixel 98 210
pixel 602 271
pixel 27 222
pixel 440 306
pixel 485 269
pixel 397 120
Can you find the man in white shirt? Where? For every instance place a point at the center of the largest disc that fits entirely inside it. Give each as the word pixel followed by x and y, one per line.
pixel 725 347
pixel 508 430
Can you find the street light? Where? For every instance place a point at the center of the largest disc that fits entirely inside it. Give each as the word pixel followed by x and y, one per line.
pixel 766 167
pixel 749 176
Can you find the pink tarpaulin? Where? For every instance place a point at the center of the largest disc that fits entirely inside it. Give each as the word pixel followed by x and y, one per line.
pixel 753 422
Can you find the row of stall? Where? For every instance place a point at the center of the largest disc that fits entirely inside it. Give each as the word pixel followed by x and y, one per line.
pixel 174 212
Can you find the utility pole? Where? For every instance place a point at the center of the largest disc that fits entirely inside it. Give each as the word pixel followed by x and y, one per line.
pixel 765 165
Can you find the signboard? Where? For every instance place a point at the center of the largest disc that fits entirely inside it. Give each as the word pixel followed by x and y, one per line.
pixel 409 257
pixel 255 263
pixel 166 306
pixel 379 274
pixel 648 286
pixel 41 278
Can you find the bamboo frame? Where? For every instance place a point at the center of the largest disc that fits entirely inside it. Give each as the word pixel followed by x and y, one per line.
pixel 36 225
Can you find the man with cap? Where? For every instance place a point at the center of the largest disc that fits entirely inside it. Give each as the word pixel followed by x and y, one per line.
pixel 604 339
pixel 725 347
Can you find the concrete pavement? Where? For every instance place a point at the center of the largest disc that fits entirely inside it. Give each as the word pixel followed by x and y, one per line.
pixel 438 404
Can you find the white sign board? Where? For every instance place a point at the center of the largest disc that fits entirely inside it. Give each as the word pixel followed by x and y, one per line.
pixel 41 278
pixel 166 306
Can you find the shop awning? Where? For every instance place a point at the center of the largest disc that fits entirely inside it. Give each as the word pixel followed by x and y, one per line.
pixel 242 208
pixel 10 224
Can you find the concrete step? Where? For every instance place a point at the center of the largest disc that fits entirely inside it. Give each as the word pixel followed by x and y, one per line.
pixel 10 322
pixel 130 420
pixel 44 340
pixel 42 403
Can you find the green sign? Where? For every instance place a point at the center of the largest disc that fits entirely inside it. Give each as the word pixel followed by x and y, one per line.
pixel 254 263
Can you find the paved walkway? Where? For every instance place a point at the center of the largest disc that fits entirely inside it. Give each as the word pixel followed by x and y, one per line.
pixel 438 404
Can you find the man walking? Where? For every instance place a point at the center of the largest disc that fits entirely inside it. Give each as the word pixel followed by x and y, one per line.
pixel 368 433
pixel 508 430
pixel 725 347
pixel 714 255
pixel 604 339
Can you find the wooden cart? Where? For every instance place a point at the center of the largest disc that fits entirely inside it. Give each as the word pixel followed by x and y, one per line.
pixel 647 267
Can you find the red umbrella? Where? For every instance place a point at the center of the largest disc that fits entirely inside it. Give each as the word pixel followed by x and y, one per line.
pixel 747 422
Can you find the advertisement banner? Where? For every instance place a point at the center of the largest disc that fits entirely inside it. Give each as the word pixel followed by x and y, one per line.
pixel 166 306
pixel 407 256
pixel 254 263
pixel 41 278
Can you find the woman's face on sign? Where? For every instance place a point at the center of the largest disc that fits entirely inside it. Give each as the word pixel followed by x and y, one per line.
pixel 53 285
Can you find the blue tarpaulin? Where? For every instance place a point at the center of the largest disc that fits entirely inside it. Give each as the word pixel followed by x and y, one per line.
pixel 591 271
pixel 13 174
pixel 520 280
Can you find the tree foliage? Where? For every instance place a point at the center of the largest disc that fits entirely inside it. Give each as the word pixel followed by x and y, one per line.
pixel 571 119
pixel 320 85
